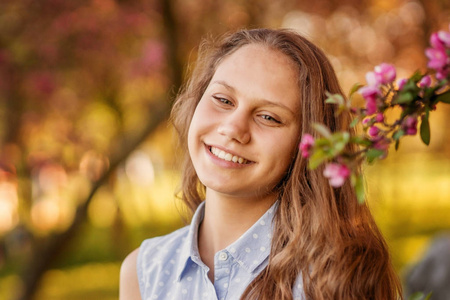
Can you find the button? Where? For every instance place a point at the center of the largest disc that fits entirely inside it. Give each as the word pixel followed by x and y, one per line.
pixel 223 256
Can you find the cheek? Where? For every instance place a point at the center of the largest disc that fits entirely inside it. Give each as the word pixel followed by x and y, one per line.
pixel 289 152
pixel 196 125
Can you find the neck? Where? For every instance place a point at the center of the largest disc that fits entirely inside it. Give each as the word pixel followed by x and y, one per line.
pixel 226 219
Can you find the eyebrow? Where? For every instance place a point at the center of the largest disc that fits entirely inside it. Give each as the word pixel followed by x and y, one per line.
pixel 264 101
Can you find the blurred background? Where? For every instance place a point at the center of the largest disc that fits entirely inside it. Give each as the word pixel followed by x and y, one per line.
pixel 88 163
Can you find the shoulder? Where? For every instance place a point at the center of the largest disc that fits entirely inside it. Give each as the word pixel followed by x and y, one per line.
pixel 129 285
pixel 140 261
pixel 160 250
pixel 160 257
pixel 166 243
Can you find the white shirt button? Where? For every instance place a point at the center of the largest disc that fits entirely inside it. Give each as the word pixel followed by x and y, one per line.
pixel 223 256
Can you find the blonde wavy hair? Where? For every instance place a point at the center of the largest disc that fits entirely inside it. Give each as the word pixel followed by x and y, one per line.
pixel 320 233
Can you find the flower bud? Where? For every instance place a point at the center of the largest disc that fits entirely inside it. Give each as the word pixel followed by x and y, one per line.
pixel 379 117
pixel 366 121
pixel 436 42
pixel 385 72
pixel 373 131
pixel 409 125
pixel 306 145
pixel 437 58
pixel 336 174
pixel 401 83
pixel 425 82
pixel 444 37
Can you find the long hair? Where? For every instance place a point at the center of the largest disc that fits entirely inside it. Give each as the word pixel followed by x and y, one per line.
pixel 320 233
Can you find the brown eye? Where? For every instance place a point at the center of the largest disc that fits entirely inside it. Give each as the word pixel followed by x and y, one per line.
pixel 270 119
pixel 223 100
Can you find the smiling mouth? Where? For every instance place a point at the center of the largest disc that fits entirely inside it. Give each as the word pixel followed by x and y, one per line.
pixel 227 156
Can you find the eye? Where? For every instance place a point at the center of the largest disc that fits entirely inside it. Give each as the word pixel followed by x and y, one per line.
pixel 269 118
pixel 223 101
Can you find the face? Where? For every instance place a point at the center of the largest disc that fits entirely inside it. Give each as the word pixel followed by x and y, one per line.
pixel 245 129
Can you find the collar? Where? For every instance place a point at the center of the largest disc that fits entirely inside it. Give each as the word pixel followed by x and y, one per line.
pixel 249 251
pixel 189 252
pixel 253 247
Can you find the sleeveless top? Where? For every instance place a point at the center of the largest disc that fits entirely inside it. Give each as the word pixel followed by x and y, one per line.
pixel 170 267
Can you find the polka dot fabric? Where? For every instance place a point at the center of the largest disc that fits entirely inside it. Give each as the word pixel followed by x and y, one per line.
pixel 169 267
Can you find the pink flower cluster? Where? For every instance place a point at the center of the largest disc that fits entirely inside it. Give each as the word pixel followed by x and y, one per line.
pixel 409 125
pixel 382 74
pixel 336 174
pixel 376 135
pixel 306 144
pixel 416 96
pixel 439 54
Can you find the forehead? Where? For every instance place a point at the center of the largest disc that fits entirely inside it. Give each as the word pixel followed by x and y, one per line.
pixel 259 71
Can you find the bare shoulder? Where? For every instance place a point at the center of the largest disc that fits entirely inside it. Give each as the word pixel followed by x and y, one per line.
pixel 129 285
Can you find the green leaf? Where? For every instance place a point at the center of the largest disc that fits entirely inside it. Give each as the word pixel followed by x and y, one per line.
pixel 354 89
pixel 354 122
pixel 404 98
pixel 420 296
pixel 444 97
pixel 373 154
pixel 322 142
pixel 334 98
pixel 322 129
pixel 416 76
pixel 316 159
pixel 425 131
pixel 416 296
pixel 338 147
pixel 358 184
pixel 361 141
pixel 398 134
pixel 339 141
pixel 397 144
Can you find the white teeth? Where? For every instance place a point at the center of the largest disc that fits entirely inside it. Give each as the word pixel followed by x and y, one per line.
pixel 221 154
pixel 227 156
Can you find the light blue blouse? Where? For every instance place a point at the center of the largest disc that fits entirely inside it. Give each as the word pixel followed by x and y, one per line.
pixel 169 267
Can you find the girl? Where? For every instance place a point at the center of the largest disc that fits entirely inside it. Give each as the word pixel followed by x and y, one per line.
pixel 264 226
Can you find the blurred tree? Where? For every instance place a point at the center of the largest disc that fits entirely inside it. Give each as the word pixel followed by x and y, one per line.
pixel 64 67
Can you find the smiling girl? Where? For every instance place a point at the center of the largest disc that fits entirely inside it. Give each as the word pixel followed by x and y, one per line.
pixel 264 226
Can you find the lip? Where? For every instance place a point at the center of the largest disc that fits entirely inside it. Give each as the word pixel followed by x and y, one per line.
pixel 225 163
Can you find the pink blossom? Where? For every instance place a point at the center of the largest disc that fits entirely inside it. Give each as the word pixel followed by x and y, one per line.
pixel 385 73
pixel 425 81
pixel 379 117
pixel 444 37
pixel 372 79
pixel 336 174
pixel 409 125
pixel 366 121
pixel 437 58
pixel 371 106
pixel 306 145
pixel 436 42
pixel 370 94
pixel 373 131
pixel 401 83
pixel 442 74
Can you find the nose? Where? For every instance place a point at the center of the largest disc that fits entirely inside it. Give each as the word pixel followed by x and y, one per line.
pixel 235 127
